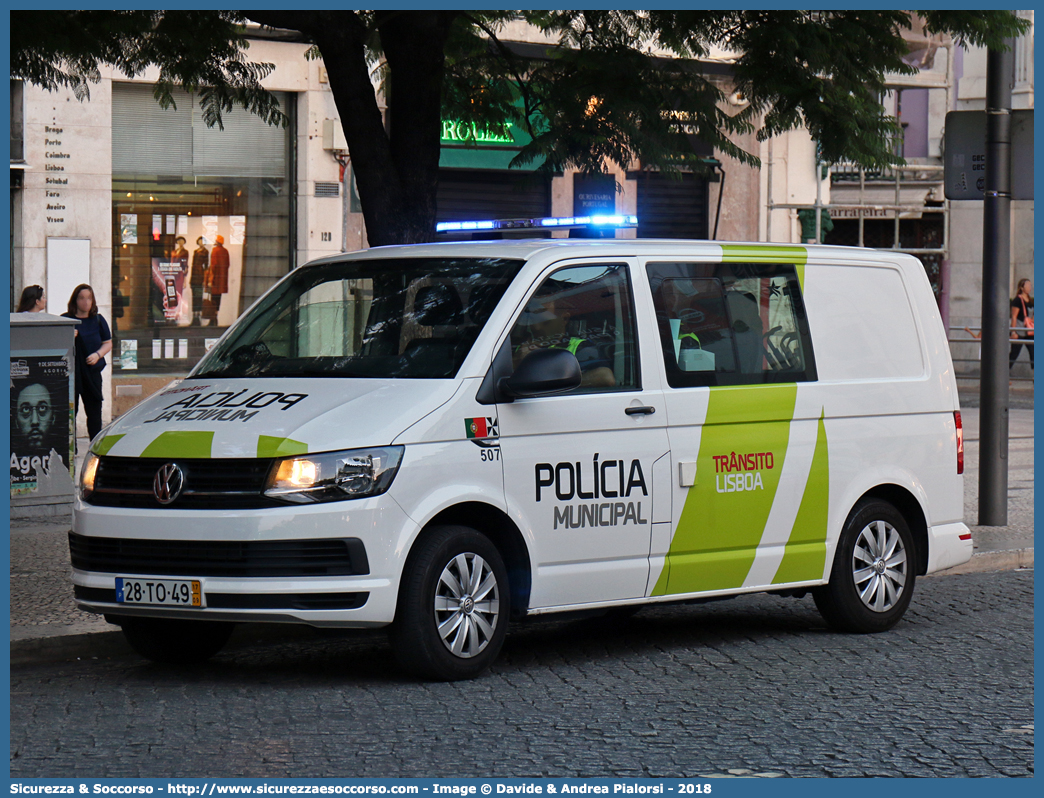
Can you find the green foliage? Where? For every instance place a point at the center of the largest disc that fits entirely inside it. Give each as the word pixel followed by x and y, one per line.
pixel 825 71
pixel 611 85
pixel 202 52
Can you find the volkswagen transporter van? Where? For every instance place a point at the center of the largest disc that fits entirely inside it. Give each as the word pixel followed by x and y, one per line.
pixel 442 439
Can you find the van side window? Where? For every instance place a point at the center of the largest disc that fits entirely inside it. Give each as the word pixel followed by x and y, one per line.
pixel 589 311
pixel 731 323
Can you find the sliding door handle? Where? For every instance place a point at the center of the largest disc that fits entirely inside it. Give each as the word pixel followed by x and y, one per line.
pixel 640 411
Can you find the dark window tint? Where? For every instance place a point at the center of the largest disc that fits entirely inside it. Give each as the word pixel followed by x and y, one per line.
pixel 588 311
pixel 731 323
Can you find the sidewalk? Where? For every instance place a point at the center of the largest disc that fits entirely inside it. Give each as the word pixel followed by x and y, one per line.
pixel 47 626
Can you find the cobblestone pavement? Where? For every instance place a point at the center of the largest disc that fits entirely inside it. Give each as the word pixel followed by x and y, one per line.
pixel 751 686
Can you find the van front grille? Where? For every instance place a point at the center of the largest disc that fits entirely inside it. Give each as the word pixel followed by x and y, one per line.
pixel 223 484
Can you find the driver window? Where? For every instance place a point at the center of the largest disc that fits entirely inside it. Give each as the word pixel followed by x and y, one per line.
pixel 586 310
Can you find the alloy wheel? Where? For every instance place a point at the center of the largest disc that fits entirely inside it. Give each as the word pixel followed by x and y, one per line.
pixel 467 605
pixel 879 565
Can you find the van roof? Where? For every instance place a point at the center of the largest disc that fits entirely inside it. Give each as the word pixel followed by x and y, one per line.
pixel 526 248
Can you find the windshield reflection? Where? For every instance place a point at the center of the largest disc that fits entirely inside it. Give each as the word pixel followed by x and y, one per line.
pixel 412 318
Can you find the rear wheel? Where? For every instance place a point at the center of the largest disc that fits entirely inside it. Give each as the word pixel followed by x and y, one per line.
pixel 174 641
pixel 453 605
pixel 872 580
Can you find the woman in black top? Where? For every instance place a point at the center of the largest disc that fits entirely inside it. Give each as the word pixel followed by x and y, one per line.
pixel 1022 316
pixel 93 343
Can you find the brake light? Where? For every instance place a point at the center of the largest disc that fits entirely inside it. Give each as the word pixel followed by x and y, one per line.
pixel 960 441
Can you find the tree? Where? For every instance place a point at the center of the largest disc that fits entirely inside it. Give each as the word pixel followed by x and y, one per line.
pixel 595 95
pixel 199 51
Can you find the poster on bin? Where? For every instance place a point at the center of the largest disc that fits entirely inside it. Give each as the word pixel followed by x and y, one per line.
pixel 41 414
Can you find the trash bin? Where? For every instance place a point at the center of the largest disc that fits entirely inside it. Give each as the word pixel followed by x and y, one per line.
pixel 43 406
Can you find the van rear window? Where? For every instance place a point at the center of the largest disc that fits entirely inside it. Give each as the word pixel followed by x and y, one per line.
pixel 411 318
pixel 731 323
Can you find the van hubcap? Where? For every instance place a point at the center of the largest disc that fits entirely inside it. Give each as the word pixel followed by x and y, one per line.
pixel 879 566
pixel 467 605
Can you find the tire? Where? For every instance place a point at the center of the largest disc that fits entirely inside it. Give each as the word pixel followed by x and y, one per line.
pixel 454 602
pixel 173 641
pixel 872 579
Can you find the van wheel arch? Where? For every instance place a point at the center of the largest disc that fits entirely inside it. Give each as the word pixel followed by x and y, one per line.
pixel 452 615
pixel 910 508
pixel 504 534
pixel 874 570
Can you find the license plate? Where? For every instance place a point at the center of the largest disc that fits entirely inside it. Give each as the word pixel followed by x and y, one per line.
pixel 161 592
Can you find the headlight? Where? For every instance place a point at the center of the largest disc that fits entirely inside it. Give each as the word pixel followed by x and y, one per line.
pixel 334 476
pixel 88 471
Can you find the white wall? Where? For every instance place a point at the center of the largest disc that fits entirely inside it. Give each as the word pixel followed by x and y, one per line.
pixel 791 160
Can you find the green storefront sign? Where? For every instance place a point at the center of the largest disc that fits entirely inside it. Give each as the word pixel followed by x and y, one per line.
pixel 463 133
pixel 467 146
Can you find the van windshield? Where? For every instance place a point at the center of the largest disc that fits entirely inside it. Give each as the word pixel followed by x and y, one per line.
pixel 412 318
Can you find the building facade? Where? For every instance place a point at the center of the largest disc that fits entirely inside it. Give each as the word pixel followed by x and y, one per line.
pixel 180 227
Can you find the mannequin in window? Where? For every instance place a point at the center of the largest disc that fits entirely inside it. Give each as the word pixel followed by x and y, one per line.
pixel 217 275
pixel 200 264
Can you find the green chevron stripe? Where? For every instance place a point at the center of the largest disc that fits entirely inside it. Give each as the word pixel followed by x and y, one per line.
pixel 102 447
pixel 269 446
pixel 805 553
pixel 718 533
pixel 181 443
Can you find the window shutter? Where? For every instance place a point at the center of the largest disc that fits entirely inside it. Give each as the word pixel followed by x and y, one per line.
pixel 146 139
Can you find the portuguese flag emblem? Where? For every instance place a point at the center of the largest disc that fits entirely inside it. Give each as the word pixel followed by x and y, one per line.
pixel 481 428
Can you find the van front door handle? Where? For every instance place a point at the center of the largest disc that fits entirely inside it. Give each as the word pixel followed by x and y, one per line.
pixel 640 411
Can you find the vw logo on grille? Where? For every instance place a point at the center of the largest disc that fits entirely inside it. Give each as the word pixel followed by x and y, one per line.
pixel 168 483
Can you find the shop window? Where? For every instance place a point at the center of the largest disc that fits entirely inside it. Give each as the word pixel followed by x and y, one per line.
pixel 200 229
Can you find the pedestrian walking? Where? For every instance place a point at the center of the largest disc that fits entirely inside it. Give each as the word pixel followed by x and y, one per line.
pixel 93 343
pixel 1022 321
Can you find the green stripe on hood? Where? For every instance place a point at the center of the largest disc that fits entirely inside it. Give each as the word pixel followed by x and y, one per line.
pixel 102 447
pixel 270 446
pixel 181 443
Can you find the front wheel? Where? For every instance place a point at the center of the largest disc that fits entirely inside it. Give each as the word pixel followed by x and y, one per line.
pixel 174 641
pixel 453 605
pixel 872 579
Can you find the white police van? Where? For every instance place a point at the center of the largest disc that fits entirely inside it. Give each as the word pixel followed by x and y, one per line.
pixel 444 438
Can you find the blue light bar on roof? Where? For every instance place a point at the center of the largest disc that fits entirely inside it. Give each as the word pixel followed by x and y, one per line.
pixel 561 222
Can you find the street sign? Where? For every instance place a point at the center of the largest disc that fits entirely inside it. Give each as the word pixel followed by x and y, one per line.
pixel 964 147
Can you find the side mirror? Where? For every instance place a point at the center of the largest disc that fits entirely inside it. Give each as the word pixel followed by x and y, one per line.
pixel 543 371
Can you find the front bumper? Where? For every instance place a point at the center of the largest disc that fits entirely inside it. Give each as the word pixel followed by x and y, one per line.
pixel 238 592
